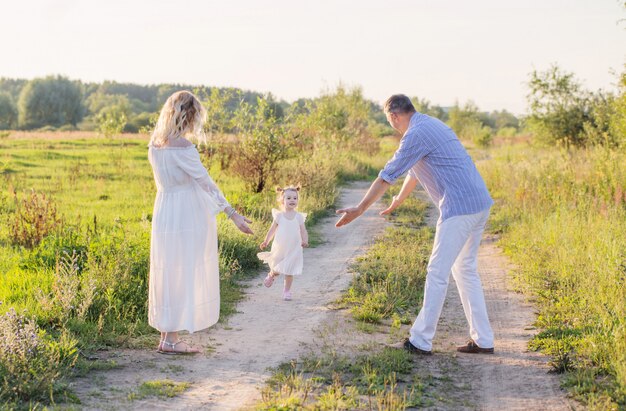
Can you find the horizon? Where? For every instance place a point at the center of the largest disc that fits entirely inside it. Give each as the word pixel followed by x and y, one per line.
pixel 453 53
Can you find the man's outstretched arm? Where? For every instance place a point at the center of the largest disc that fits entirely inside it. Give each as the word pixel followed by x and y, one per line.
pixel 376 191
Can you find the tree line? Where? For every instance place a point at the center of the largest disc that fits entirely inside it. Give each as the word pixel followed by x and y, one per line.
pixel 56 102
pixel 561 111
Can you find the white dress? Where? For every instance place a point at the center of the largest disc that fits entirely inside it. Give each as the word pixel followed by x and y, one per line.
pixel 285 256
pixel 184 278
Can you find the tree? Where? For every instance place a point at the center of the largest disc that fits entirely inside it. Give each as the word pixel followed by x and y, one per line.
pixel 219 118
pixel 262 144
pixel 8 112
pixel 51 101
pixel 424 106
pixel 467 123
pixel 617 122
pixel 504 119
pixel 559 108
pixel 339 118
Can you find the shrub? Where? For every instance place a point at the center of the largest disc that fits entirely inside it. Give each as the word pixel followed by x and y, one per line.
pixel 467 124
pixel 111 121
pixel 262 144
pixel 31 363
pixel 35 217
pixel 564 114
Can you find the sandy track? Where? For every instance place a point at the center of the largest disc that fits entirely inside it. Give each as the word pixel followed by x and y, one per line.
pixel 266 332
pixel 513 378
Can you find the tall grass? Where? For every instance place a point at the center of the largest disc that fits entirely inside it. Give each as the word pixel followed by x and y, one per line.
pixel 562 215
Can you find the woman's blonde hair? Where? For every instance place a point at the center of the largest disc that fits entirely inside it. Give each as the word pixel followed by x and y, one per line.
pixel 181 115
pixel 280 192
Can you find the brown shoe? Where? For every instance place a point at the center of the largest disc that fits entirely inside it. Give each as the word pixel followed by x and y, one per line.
pixel 413 349
pixel 472 348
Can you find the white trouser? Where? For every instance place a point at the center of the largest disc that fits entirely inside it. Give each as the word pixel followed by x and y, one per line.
pixel 455 249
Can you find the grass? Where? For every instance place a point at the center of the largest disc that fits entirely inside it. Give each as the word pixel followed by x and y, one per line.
pixel 377 380
pixel 562 216
pixel 160 389
pixel 389 278
pixel 85 282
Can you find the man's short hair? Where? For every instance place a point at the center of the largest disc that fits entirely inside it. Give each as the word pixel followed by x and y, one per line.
pixel 398 104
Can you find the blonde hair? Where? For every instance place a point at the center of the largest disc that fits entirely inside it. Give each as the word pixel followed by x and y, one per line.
pixel 181 115
pixel 280 192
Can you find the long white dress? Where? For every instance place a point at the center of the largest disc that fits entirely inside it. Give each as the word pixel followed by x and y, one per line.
pixel 285 256
pixel 184 272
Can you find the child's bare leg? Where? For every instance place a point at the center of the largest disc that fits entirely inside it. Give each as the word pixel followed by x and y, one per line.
pixel 288 282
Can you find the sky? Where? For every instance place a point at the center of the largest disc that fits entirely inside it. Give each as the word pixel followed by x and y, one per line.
pixel 445 51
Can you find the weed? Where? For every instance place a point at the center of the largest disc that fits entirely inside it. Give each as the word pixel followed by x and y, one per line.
pixel 35 217
pixel 32 365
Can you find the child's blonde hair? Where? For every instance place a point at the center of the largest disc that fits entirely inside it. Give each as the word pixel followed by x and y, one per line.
pixel 181 115
pixel 280 192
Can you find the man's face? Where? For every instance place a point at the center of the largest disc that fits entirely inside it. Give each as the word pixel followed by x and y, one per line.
pixel 392 118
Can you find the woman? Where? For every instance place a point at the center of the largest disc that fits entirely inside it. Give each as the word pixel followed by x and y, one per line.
pixel 184 277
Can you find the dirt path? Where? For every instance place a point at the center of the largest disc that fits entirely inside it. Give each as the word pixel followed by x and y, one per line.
pixel 266 332
pixel 513 378
pixel 269 331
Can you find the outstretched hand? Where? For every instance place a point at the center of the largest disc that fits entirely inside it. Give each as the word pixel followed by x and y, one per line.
pixel 242 223
pixel 349 214
pixel 395 203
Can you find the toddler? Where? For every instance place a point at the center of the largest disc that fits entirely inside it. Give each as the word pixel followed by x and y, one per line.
pixel 290 235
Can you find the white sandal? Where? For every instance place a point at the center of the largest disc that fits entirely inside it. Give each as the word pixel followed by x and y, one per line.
pixel 172 350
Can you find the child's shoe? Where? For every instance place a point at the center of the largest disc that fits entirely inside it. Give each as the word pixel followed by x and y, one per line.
pixel 287 295
pixel 269 280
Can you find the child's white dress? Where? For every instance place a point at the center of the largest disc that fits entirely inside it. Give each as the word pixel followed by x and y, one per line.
pixel 184 283
pixel 285 256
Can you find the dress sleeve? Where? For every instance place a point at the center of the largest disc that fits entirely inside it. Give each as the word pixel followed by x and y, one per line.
pixel 189 161
pixel 275 215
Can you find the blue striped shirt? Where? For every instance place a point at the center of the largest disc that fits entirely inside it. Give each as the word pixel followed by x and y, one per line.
pixel 432 153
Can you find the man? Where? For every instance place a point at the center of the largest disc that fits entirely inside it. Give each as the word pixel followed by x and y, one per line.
pixel 433 155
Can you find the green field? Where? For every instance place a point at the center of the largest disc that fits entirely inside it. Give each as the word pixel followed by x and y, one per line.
pixel 83 285
pixel 561 215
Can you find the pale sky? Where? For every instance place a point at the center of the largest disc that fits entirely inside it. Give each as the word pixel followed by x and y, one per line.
pixel 441 50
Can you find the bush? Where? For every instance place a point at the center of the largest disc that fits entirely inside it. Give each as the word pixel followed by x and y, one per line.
pixel 111 121
pixel 564 114
pixel 35 217
pixel 262 144
pixel 467 124
pixel 31 364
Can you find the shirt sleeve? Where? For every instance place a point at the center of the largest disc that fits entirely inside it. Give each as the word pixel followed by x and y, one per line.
pixel 411 150
pixel 189 161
